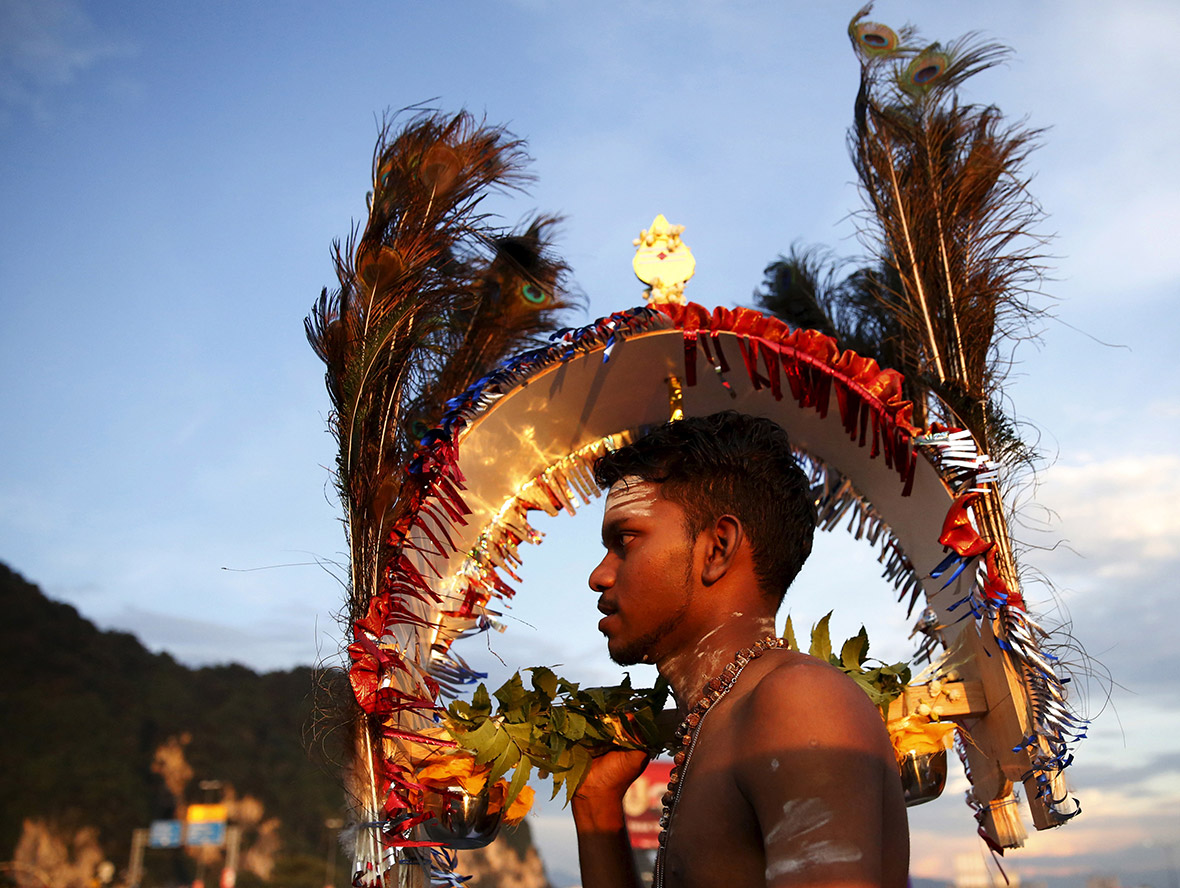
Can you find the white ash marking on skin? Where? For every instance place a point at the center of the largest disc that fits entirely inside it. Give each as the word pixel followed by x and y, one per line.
pixel 704 662
pixel 818 854
pixel 788 850
pixel 712 661
pixel 800 816
pixel 688 676
pixel 706 636
pixel 641 500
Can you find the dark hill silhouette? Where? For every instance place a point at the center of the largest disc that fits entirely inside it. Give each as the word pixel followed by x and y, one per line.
pixel 84 711
pixel 85 715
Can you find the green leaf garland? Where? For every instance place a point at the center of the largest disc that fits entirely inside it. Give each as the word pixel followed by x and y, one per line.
pixel 558 727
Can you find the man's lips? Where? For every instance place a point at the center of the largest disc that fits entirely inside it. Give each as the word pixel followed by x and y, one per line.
pixel 609 611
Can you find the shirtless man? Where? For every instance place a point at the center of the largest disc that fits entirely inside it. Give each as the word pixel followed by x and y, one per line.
pixel 790 779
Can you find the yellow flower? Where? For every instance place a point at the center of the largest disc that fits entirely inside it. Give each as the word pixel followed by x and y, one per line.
pixel 462 771
pixel 520 806
pixel 455 770
pixel 920 736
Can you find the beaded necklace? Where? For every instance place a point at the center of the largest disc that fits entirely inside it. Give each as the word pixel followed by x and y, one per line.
pixel 686 736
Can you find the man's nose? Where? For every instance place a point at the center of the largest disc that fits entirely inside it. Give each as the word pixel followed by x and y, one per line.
pixel 603 576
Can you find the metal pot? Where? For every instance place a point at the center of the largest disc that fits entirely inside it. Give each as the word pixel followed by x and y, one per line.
pixel 923 776
pixel 461 819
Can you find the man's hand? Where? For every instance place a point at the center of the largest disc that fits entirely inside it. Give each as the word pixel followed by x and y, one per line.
pixel 609 776
pixel 604 850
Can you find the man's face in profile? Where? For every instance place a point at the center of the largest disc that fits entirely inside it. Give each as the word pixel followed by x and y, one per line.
pixel 644 579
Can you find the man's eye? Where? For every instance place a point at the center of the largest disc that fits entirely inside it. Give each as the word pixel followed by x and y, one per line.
pixel 619 539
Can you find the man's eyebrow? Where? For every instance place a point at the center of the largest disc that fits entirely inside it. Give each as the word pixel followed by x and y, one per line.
pixel 610 527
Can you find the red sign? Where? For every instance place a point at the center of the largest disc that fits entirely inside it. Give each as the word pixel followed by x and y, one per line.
pixel 644 803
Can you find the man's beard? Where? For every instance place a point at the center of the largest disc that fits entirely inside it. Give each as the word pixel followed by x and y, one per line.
pixel 640 649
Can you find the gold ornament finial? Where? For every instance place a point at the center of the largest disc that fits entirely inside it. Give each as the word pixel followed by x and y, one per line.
pixel 675 399
pixel 663 261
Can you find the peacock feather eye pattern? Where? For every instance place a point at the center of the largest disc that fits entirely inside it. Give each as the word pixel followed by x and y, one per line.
pixel 440 167
pixel 419 429
pixel 533 294
pixel 874 39
pixel 380 269
pixel 924 71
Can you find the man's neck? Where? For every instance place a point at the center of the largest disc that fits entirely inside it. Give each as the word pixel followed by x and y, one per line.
pixel 689 668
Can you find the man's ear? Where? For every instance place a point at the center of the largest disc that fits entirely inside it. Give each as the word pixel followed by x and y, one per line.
pixel 722 542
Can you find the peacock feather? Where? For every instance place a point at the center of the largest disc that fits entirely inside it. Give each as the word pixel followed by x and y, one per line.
pixel 430 297
pixel 873 39
pixel 951 227
pixel 950 213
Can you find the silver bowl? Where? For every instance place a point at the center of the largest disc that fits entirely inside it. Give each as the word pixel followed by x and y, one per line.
pixel 923 776
pixel 461 819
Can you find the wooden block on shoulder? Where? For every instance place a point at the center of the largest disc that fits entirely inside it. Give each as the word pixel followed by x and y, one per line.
pixel 954 699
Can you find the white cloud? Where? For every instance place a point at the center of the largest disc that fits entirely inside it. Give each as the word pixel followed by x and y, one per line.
pixel 46 45
pixel 1107 170
pixel 1130 807
pixel 293 639
pixel 1131 39
pixel 1119 513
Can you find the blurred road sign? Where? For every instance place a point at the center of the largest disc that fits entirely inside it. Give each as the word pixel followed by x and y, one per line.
pixel 164 834
pixel 197 813
pixel 643 804
pixel 205 832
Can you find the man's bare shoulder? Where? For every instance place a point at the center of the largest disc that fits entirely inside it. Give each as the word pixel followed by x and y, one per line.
pixel 799 697
pixel 812 759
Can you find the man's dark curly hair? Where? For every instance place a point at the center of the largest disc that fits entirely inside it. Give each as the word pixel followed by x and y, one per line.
pixel 728 464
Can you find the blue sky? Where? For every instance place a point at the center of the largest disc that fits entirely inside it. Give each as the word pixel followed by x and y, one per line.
pixel 174 173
